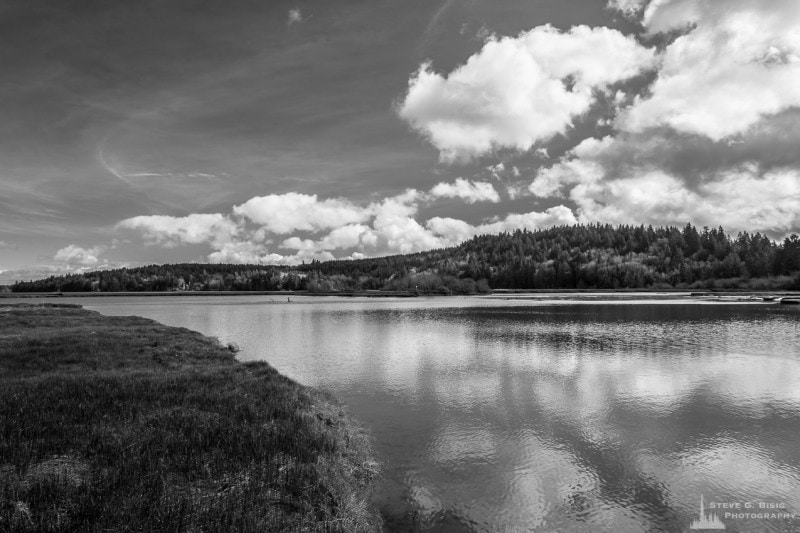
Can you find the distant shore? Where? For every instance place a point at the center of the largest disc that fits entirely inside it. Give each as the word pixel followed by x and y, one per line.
pixel 112 423
pixel 401 294
pixel 287 294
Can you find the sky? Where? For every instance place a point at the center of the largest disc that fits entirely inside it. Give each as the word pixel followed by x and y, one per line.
pixel 245 131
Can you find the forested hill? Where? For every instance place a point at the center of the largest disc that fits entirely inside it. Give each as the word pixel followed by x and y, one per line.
pixel 563 257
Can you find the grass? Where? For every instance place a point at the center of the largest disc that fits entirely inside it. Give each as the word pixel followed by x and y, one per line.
pixel 123 424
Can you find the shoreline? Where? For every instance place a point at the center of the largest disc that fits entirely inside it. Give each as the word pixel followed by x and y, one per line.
pixel 125 423
pixel 537 295
pixel 372 294
pixel 401 294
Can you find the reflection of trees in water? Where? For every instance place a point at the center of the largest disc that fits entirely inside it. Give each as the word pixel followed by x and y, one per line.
pixel 648 329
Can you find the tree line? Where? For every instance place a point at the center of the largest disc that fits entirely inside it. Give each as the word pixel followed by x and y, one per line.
pixel 594 256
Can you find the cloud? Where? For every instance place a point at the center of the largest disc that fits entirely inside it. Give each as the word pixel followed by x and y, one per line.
pixel 554 216
pixel 451 229
pixel 170 231
pixel 576 167
pixel 75 255
pixel 295 16
pixel 9 245
pixel 316 228
pixel 549 182
pixel 739 200
pixel 497 170
pixel 43 271
pixel 469 191
pixel 519 90
pixel 242 236
pixel 772 145
pixel 627 181
pixel 628 7
pixel 240 252
pixel 737 62
pixel 713 140
pixel 396 228
pixel 255 254
pixel 455 231
pixel 350 236
pixel 286 213
pixel 248 252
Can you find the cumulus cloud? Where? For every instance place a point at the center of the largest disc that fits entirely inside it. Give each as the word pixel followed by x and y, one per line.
pixel 713 140
pixel 296 243
pixel 240 252
pixel 519 90
pixel 555 216
pixel 350 236
pixel 397 229
pixel 75 255
pixel 469 191
pixel 387 226
pixel 253 252
pixel 578 166
pixel 454 231
pixel 739 200
pixel 737 62
pixel 170 231
pixel 286 213
pixel 627 181
pixel 256 253
pixel 693 158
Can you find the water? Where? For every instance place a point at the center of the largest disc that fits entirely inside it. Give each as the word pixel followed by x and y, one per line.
pixel 495 414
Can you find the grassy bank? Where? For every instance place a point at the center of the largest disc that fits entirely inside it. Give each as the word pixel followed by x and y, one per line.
pixel 123 424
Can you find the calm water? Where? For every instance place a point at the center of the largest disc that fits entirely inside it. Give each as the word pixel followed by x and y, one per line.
pixel 493 414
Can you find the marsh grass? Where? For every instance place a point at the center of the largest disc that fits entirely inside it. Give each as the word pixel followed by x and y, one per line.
pixel 123 424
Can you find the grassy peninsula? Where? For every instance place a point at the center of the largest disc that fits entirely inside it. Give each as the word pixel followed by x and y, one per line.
pixel 124 424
